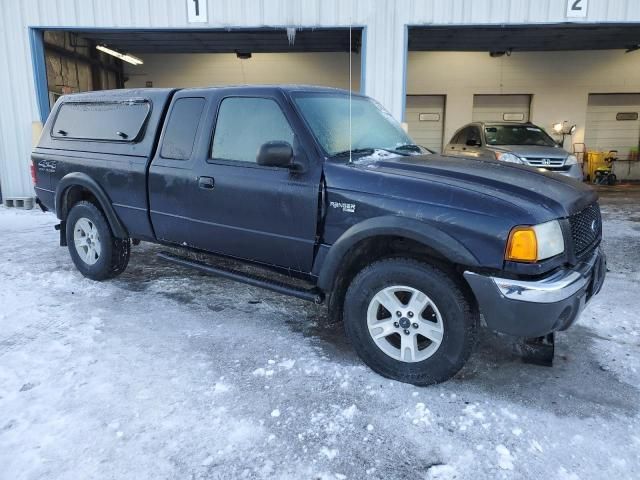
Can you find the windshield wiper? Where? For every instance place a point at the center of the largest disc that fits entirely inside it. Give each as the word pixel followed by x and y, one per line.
pixel 369 151
pixel 411 147
pixel 355 151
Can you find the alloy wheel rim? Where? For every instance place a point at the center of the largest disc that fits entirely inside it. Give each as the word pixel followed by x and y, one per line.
pixel 87 241
pixel 405 323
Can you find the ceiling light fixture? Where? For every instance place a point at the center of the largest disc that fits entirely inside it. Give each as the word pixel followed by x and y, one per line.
pixel 125 57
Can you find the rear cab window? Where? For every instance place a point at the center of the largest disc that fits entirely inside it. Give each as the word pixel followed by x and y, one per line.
pixel 182 127
pixel 117 121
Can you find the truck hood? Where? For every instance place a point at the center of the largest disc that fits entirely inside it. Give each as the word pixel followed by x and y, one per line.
pixel 527 188
pixel 533 151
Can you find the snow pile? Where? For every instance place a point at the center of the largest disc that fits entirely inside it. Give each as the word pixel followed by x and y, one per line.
pixel 164 373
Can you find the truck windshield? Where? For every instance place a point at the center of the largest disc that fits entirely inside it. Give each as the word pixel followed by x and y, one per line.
pixel 371 126
pixel 517 135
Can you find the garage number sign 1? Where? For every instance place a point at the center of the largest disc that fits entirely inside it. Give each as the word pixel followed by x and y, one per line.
pixel 577 8
pixel 197 11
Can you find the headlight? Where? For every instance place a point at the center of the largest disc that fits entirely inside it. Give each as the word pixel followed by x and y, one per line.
pixel 571 160
pixel 508 157
pixel 534 243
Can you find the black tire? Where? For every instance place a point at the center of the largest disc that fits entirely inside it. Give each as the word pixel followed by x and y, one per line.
pixel 114 252
pixel 459 318
pixel 612 179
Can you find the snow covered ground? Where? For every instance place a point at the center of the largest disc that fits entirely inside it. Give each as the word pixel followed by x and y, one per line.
pixel 165 373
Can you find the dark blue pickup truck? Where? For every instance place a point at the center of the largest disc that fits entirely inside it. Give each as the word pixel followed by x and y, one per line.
pixel 413 251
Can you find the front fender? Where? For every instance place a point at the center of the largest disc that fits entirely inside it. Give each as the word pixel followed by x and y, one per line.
pixel 419 231
pixel 85 181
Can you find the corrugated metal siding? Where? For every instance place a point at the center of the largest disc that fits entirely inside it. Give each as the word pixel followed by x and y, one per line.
pixel 385 54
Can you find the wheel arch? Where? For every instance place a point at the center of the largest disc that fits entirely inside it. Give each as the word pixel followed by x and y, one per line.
pixel 436 242
pixel 77 186
pixel 383 237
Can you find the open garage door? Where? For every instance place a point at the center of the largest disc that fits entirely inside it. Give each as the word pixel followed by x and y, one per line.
pixel 501 108
pixel 425 119
pixel 613 123
pixel 81 60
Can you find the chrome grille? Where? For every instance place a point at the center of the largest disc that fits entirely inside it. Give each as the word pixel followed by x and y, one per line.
pixel 586 229
pixel 544 161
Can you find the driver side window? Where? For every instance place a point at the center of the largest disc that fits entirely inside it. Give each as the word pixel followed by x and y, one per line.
pixel 246 123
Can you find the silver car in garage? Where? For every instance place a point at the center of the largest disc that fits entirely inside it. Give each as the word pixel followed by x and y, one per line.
pixel 523 143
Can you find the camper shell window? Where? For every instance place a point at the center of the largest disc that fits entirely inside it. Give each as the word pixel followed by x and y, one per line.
pixel 101 121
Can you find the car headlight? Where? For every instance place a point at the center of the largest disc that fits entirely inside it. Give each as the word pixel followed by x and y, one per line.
pixel 535 243
pixel 508 157
pixel 571 160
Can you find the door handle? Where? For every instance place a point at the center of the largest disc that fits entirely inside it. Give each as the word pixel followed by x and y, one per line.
pixel 207 183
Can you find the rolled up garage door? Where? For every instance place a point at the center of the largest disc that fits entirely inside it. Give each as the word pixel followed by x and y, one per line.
pixel 613 123
pixel 501 108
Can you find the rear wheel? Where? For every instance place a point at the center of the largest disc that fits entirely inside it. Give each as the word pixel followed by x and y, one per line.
pixel 96 253
pixel 410 321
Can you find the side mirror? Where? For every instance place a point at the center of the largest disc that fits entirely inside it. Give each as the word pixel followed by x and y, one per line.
pixel 275 154
pixel 472 142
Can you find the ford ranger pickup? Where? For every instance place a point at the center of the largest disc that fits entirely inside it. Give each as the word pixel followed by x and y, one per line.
pixel 412 251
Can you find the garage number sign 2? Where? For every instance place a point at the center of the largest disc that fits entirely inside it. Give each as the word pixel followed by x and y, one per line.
pixel 577 8
pixel 197 11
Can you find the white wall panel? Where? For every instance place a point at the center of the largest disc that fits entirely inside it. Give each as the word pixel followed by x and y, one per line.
pixel 385 21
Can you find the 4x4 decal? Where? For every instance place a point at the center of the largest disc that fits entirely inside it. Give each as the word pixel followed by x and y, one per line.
pixel 48 166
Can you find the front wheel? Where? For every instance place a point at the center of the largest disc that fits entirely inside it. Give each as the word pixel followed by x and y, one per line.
pixel 410 321
pixel 96 253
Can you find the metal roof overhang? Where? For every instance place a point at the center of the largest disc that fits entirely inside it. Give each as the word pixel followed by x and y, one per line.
pixel 529 38
pixel 258 40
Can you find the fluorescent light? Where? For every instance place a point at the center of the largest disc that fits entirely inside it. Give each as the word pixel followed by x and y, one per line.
pixel 122 56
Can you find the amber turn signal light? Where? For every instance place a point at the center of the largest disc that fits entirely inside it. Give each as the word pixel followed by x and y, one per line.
pixel 522 245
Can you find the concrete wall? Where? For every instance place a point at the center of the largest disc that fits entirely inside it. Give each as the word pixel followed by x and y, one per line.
pixel 204 69
pixel 559 82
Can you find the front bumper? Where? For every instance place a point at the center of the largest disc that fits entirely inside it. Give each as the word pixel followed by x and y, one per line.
pixel 574 171
pixel 535 308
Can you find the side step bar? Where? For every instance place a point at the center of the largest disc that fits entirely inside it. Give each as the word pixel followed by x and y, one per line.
pixel 311 295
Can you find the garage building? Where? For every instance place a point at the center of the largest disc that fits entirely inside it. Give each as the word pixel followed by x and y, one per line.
pixel 435 65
